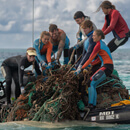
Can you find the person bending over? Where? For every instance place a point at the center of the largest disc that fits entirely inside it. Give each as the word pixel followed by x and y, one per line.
pixel 13 67
pixel 60 42
pixel 116 24
pixel 43 49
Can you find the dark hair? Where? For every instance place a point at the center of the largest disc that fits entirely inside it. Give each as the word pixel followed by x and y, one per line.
pixel 107 5
pixel 52 27
pixel 79 14
pixel 100 33
pixel 86 23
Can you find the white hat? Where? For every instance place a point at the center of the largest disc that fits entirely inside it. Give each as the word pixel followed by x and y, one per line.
pixel 31 52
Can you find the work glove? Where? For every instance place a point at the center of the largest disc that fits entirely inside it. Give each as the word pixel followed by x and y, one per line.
pixel 44 79
pixel 56 62
pixel 78 70
pixel 23 91
pixel 49 66
pixel 1 93
pixel 76 46
pixel 43 64
pixel 85 71
pixel 73 69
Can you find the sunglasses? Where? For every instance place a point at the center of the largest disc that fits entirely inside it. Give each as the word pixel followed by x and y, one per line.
pixel 32 56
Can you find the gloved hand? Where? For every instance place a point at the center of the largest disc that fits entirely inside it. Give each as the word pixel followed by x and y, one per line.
pixel 43 64
pixel 78 70
pixel 73 69
pixel 45 79
pixel 85 71
pixel 23 90
pixel 49 66
pixel 56 62
pixel 76 46
pixel 1 93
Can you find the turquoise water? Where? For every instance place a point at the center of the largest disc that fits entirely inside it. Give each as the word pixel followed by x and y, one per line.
pixel 121 59
pixel 71 125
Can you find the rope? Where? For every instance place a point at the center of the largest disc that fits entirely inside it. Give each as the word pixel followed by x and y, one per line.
pixel 105 83
pixel 72 66
pixel 72 55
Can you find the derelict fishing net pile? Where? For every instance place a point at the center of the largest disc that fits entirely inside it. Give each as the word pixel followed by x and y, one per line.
pixel 55 98
pixel 110 91
pixel 52 100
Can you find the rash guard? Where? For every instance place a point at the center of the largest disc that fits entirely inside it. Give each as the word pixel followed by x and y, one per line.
pixel 103 53
pixel 44 49
pixel 115 22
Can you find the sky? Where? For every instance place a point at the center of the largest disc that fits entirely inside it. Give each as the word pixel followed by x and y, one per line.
pixel 16 19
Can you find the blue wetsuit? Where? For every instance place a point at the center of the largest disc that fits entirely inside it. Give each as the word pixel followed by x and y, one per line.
pixel 43 51
pixel 89 44
pixel 103 52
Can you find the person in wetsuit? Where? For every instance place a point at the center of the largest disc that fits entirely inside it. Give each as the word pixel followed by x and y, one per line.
pixel 104 54
pixel 13 67
pixel 43 49
pixel 89 44
pixel 114 23
pixel 60 42
pixel 79 17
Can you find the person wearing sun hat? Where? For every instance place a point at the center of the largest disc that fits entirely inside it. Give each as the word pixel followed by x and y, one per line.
pixel 31 51
pixel 13 67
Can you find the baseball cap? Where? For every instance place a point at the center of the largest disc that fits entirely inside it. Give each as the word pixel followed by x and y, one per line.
pixel 31 51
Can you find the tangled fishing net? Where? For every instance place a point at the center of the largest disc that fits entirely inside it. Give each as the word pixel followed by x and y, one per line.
pixel 54 97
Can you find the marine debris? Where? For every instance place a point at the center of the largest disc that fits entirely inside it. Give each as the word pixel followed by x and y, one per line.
pixel 54 97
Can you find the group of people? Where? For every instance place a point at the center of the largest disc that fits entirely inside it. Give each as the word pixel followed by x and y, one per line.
pixel 93 50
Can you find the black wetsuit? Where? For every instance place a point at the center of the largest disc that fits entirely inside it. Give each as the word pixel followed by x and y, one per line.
pixel 13 67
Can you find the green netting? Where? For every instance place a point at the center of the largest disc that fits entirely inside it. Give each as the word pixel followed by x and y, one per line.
pixel 49 111
pixel 29 99
pixel 115 73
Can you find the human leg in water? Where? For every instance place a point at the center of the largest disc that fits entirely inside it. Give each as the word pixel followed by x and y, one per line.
pixel 97 78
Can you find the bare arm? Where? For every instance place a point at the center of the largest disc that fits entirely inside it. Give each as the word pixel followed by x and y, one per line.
pixel 61 45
